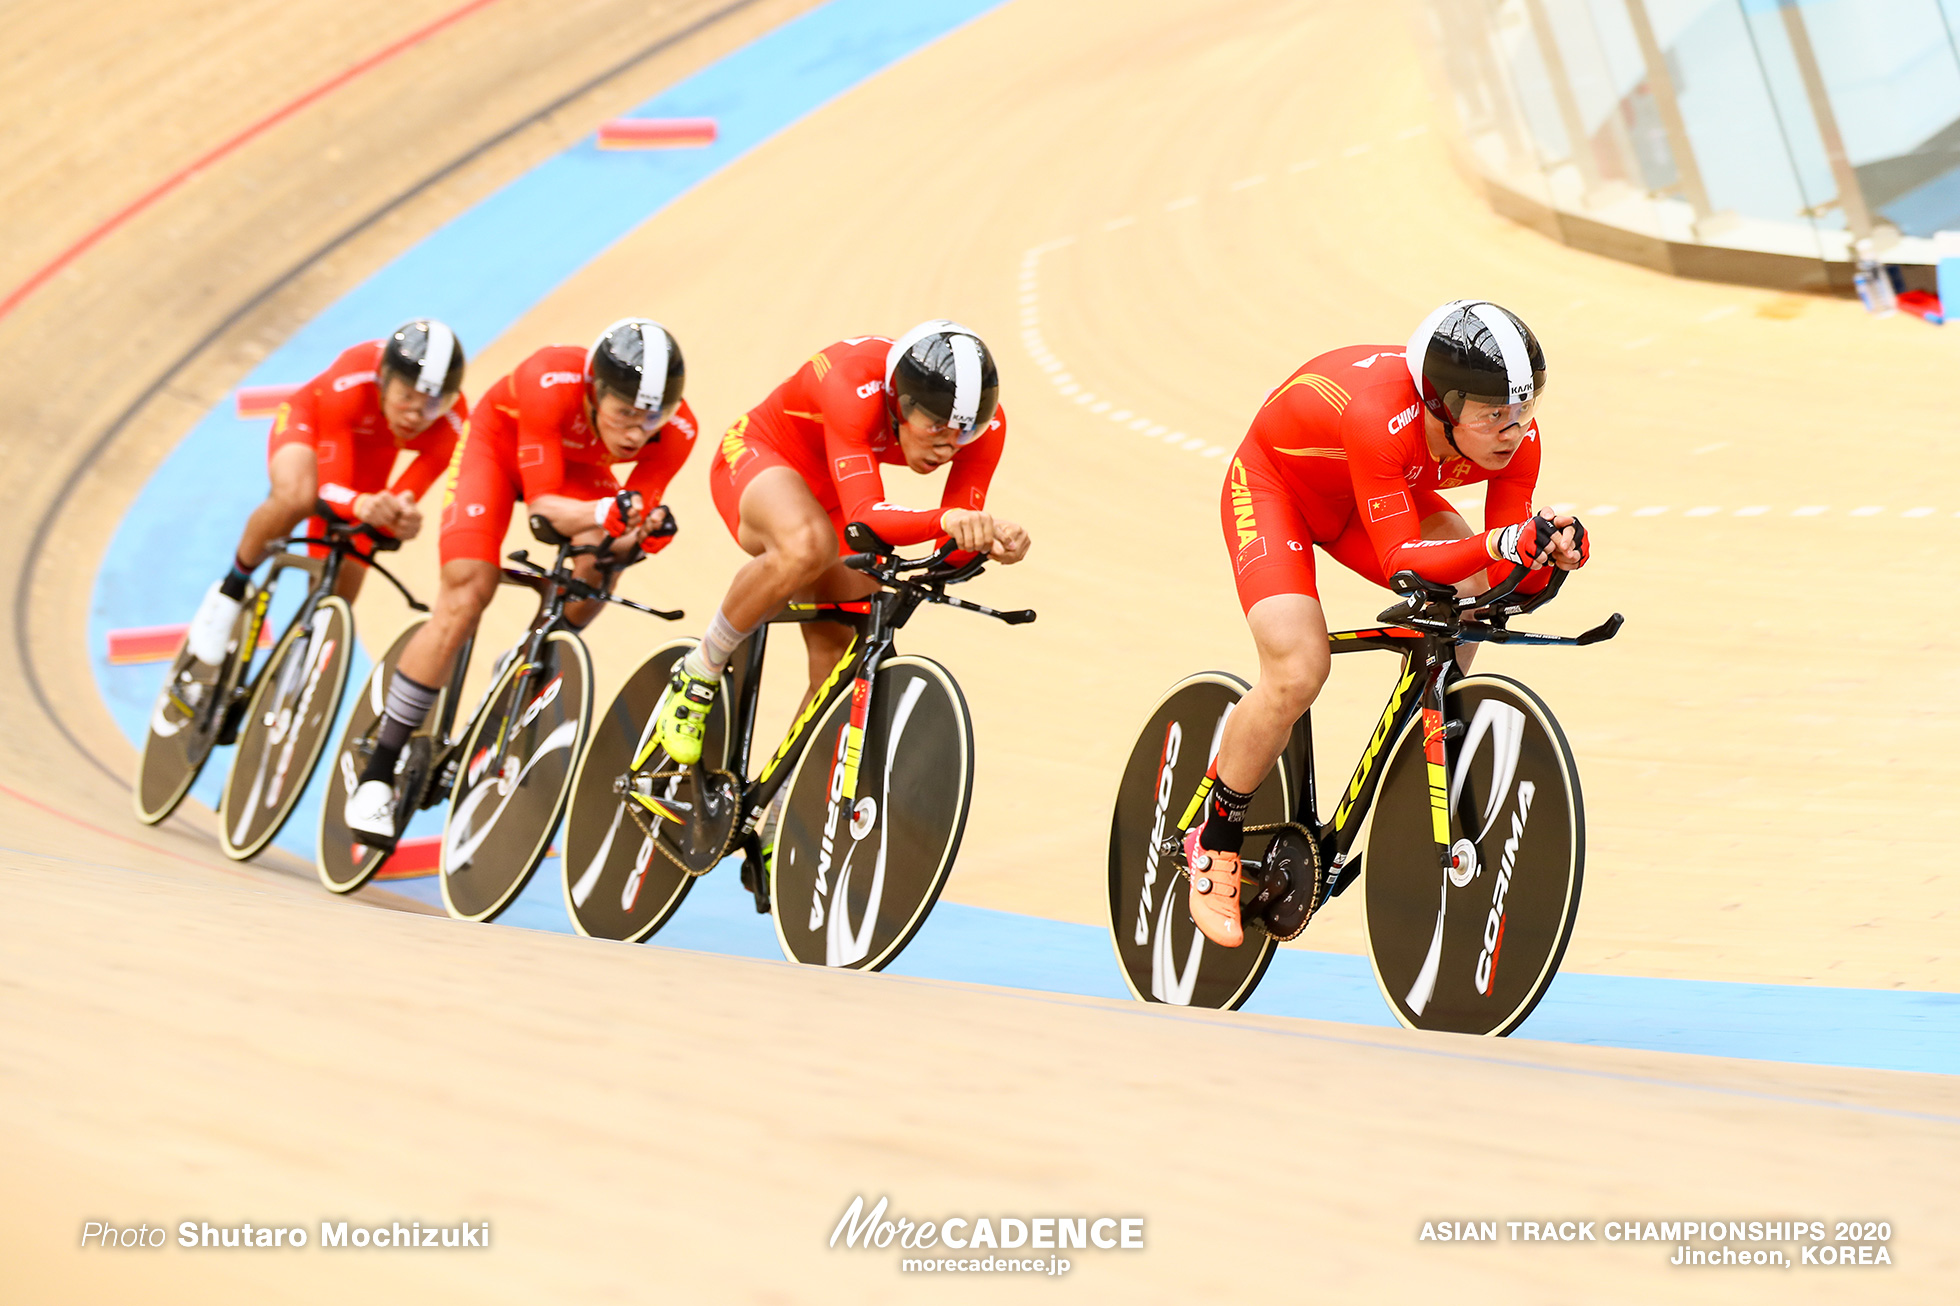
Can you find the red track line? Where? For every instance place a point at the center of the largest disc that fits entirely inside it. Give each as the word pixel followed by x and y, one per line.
pixel 20 797
pixel 178 178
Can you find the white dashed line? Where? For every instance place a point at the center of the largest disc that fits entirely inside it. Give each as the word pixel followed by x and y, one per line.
pixel 1117 224
pixel 1354 150
pixel 1303 165
pixel 1716 315
pixel 1410 133
pixel 1248 183
pixel 1641 343
pixel 1184 203
pixel 1069 388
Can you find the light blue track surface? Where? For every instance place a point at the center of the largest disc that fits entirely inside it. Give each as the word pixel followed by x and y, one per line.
pixel 490 265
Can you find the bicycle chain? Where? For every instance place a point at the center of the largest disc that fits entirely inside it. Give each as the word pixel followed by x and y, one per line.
pixel 1315 902
pixel 652 836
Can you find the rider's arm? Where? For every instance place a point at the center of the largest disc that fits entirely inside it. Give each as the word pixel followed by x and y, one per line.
pixel 1378 463
pixel 852 415
pixel 662 457
pixel 433 450
pixel 1507 501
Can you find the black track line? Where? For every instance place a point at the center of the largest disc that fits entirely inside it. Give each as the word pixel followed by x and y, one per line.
pixel 37 538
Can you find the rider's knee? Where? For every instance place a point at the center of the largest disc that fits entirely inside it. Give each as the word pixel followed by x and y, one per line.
pixel 465 596
pixel 293 499
pixel 1296 680
pixel 807 549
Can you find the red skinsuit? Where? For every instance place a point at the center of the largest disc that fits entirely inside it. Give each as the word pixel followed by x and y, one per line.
pixel 1337 457
pixel 531 437
pixel 829 422
pixel 338 415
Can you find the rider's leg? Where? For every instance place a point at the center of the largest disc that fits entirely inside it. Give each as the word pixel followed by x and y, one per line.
pixel 468 585
pixel 1271 543
pixel 826 642
pixel 779 522
pixel 294 472
pixel 476 508
pixel 352 573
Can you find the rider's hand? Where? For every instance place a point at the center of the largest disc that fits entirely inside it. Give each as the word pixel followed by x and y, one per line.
pixel 1570 547
pixel 393 513
pixel 1010 542
pixel 973 532
pixel 1530 541
pixel 659 529
pixel 620 514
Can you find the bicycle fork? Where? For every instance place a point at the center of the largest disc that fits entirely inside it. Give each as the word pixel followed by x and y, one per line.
pixel 1437 731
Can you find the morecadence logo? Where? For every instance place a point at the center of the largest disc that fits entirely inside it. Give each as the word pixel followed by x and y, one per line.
pixel 981 1237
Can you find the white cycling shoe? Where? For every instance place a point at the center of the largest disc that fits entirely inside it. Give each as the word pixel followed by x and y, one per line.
pixel 210 629
pixel 370 812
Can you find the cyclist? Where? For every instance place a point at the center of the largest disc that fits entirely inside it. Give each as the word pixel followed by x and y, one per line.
pixel 333 445
pixel 799 466
pixel 549 433
pixel 1349 455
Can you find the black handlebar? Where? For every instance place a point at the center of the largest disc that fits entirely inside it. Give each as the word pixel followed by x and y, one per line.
pixel 1436 607
pixel 923 579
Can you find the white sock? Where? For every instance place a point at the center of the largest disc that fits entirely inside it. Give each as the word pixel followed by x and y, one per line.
pixel 710 657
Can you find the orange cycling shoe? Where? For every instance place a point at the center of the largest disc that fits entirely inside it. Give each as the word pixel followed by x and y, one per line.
pixel 1214 892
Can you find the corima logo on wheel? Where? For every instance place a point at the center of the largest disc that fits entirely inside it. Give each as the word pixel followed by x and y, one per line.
pixel 1503 725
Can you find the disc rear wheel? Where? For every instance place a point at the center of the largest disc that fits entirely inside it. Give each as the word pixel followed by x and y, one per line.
pixel 1160 951
pixel 619 883
pixel 183 728
pixel 344 863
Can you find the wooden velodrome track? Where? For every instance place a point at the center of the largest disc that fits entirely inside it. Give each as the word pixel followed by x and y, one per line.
pixel 185 1039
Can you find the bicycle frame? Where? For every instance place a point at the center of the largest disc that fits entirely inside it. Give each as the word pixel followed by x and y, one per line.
pixel 875 621
pixel 871 641
pixel 1436 621
pixel 554 588
pixel 325 574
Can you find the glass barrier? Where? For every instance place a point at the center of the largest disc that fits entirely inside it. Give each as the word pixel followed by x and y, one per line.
pixel 1747 140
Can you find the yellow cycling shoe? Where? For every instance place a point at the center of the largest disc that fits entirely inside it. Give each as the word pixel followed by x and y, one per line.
pixel 1214 898
pixel 683 722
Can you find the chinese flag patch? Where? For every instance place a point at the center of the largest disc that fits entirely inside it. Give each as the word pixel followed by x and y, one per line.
pixel 857 464
pixel 1386 506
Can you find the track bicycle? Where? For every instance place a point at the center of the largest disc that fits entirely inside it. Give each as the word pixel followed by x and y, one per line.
pixel 280 714
pixel 507 774
pixel 876 773
pixel 1476 812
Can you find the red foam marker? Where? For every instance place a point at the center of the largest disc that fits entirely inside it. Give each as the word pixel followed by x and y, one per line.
pixel 412 859
pixel 262 400
pixel 656 133
pixel 158 643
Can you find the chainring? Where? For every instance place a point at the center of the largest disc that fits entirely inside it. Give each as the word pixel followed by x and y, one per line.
pixel 707 807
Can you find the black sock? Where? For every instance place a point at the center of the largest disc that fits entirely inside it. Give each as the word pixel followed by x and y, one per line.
pixel 407 705
pixel 233 585
pixel 1224 829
